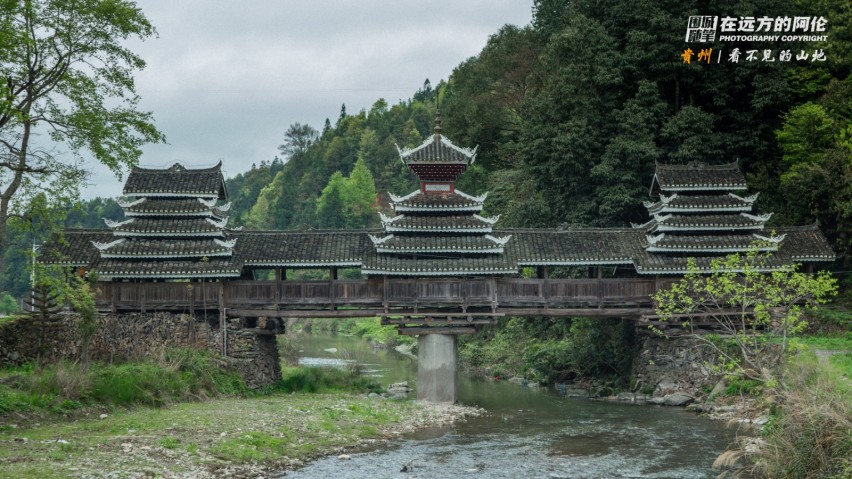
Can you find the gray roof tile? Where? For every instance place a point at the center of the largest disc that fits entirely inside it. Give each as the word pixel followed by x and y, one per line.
pixel 176 181
pixel 699 176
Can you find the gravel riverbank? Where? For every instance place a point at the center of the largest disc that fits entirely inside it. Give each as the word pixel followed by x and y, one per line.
pixel 234 438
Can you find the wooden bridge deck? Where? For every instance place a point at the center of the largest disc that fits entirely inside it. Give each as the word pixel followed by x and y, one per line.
pixel 628 297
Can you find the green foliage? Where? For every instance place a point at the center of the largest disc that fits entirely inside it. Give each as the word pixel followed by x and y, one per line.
pixel 175 375
pixel 347 202
pixel 818 169
pixel 812 435
pixel 67 72
pixel 553 350
pixel 8 304
pixel 755 311
pixel 738 387
pixel 322 380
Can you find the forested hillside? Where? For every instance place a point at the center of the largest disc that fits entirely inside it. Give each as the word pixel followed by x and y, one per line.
pixel 570 114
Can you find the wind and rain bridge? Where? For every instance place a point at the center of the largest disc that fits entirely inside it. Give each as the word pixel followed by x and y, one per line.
pixel 437 268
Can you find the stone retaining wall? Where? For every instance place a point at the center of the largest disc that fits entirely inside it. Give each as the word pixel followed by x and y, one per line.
pixel 673 365
pixel 250 352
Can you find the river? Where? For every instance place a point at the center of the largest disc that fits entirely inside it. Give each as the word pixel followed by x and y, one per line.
pixel 527 433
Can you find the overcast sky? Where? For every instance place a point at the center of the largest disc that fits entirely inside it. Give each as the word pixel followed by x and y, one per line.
pixel 225 78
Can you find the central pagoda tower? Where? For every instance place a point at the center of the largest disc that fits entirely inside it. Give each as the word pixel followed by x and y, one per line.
pixel 438 230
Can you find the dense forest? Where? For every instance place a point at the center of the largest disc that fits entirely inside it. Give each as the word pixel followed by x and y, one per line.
pixel 570 114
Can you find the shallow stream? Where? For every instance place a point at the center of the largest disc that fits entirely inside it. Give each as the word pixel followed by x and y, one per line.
pixel 527 433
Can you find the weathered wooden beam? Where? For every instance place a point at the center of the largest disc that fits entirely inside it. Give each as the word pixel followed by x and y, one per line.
pixel 580 312
pixel 437 322
pixel 413 331
pixel 459 315
pixel 305 313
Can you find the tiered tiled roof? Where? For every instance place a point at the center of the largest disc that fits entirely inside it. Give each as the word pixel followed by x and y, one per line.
pixel 455 223
pixel 701 216
pixel 175 227
pixel 420 202
pixel 438 159
pixel 700 203
pixel 438 230
pixel 181 207
pixel 574 247
pixel 176 182
pixel 699 177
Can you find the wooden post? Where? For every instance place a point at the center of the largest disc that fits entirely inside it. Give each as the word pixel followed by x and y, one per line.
pixel 600 286
pixel 222 318
pixel 191 294
pixel 385 293
pixel 113 293
pixel 279 273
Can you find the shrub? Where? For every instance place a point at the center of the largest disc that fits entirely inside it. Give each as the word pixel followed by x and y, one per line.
pixel 313 380
pixel 812 435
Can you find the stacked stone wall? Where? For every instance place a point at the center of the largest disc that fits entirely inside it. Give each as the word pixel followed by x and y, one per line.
pixel 671 365
pixel 136 335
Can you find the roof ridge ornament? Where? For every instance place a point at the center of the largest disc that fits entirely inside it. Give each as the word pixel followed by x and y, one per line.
pixel 399 199
pixel 758 218
pixel 105 246
pixel 208 203
pixel 386 219
pixel 652 240
pixel 115 224
pixel 746 199
pixel 774 239
pixel 662 218
pixel 218 224
pixel 667 199
pixel 127 204
pixel 470 153
pixel 637 226
pixel 478 199
pixel 377 241
pixel 500 241
pixel 490 219
pixel 224 208
pixel 226 244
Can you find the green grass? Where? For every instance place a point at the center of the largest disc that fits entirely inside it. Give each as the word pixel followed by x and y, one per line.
pixel 177 375
pixel 323 380
pixel 825 342
pixel 167 441
pixel 811 434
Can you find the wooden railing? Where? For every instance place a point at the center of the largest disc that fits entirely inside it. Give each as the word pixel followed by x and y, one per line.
pixel 492 293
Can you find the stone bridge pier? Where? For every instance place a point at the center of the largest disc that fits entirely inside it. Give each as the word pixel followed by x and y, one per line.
pixel 437 368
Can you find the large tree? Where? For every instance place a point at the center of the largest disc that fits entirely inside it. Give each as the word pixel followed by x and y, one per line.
pixel 66 82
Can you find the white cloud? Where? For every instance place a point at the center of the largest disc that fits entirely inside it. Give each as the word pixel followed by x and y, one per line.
pixel 225 79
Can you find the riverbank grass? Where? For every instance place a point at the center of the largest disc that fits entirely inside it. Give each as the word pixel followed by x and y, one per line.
pixel 219 437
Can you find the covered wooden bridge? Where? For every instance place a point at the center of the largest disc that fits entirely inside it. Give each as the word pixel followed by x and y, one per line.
pixel 438 266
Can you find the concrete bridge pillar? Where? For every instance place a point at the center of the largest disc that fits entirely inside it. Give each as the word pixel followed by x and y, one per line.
pixel 437 372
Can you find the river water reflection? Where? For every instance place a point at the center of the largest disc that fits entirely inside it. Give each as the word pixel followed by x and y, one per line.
pixel 527 433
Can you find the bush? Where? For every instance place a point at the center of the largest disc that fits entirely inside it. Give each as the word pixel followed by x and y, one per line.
pixel 812 435
pixel 315 380
pixel 173 375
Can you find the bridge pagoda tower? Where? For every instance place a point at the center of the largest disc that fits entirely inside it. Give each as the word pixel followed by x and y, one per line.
pixel 437 231
pixel 174 228
pixel 702 213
